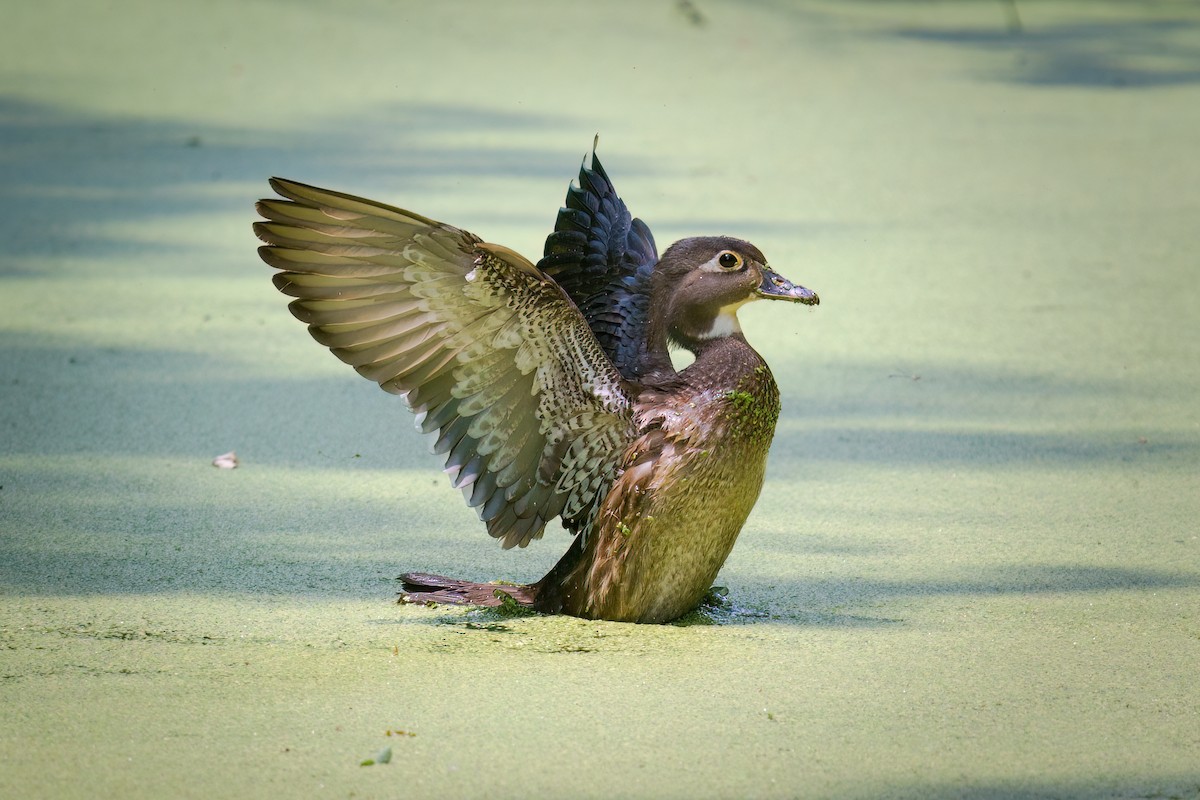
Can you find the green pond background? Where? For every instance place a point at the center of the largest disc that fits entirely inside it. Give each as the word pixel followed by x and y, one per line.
pixel 974 571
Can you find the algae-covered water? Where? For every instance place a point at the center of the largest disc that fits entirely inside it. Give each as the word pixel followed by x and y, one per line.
pixel 974 571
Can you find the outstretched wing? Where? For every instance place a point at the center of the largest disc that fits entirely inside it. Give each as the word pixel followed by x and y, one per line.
pixel 487 350
pixel 603 258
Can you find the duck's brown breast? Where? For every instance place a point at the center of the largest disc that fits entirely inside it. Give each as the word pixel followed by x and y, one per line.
pixel 685 489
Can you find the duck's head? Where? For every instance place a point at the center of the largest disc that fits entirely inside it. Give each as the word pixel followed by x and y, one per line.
pixel 700 283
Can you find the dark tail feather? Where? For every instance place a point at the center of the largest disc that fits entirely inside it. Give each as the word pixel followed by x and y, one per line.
pixel 419 587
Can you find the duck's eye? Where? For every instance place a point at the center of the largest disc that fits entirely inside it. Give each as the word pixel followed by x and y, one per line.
pixel 729 260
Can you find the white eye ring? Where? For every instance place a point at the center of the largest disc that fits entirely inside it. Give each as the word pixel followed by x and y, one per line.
pixel 729 261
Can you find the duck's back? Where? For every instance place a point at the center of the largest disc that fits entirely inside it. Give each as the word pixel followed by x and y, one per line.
pixel 685 488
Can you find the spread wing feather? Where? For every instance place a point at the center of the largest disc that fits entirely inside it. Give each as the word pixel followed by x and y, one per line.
pixel 489 352
pixel 604 258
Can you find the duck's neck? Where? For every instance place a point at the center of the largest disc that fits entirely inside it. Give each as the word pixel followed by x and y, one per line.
pixel 656 358
pixel 723 361
pixel 719 359
pixel 703 333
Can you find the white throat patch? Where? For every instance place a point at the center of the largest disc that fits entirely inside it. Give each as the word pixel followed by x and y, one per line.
pixel 726 321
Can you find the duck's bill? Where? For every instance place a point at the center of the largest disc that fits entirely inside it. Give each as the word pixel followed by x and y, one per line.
pixel 776 287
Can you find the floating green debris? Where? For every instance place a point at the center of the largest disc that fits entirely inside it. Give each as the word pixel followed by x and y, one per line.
pixel 509 607
pixel 384 756
pixel 494 627
pixel 715 608
pixel 717 597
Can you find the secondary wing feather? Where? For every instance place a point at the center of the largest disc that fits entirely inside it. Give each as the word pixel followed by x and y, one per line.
pixel 495 359
pixel 603 258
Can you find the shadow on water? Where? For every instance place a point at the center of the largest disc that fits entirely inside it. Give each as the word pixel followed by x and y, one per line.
pixel 127 535
pixel 67 178
pixel 1155 48
pixel 977 449
pixel 64 173
pixel 127 401
pixel 1042 579
pixel 1115 54
pixel 98 549
pixel 1145 787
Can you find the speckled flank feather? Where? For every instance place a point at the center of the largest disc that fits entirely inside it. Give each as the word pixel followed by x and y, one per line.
pixel 474 336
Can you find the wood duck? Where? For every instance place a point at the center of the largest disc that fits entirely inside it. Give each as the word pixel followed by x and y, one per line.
pixel 549 387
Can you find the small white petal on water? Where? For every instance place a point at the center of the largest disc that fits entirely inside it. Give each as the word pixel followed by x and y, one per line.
pixel 226 461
